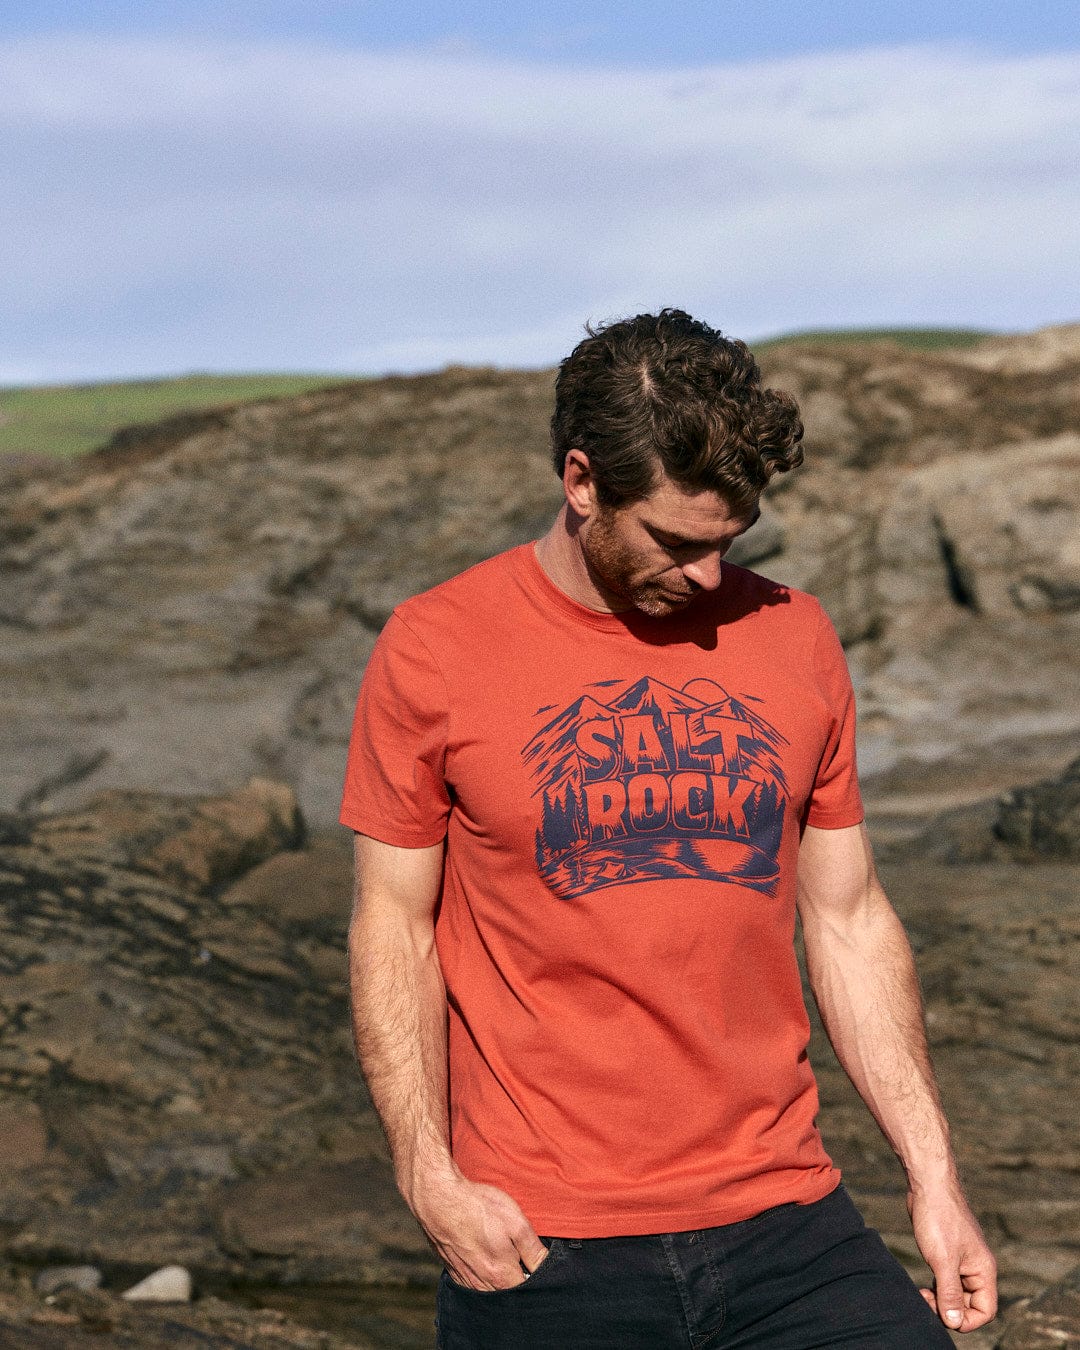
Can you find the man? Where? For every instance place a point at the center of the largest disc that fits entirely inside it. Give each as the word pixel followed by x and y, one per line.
pixel 591 779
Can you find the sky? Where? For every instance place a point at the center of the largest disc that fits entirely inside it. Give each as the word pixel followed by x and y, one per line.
pixel 323 185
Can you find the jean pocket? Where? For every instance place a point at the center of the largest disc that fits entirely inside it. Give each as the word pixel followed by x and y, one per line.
pixel 542 1271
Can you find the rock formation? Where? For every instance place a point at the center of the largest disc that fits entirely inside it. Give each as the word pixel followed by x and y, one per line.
pixel 177 1081
pixel 188 611
pixel 194 603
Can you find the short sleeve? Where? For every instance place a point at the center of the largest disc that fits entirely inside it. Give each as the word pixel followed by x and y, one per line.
pixel 394 786
pixel 835 801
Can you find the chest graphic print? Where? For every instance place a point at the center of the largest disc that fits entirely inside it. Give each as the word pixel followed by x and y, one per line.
pixel 638 781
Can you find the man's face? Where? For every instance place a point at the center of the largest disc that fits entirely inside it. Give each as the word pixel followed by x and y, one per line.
pixel 657 554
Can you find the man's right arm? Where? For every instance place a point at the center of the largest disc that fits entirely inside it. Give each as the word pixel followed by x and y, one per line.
pixel 399 1025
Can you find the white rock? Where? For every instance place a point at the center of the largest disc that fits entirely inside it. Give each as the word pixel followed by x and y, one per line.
pixel 170 1284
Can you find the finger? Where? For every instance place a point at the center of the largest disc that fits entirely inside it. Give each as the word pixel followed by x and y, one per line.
pixel 951 1302
pixel 928 1294
pixel 533 1265
pixel 487 1283
pixel 459 1276
pixel 531 1251
pixel 483 1271
pixel 982 1307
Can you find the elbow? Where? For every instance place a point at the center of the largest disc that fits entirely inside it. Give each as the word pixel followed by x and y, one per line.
pixel 379 928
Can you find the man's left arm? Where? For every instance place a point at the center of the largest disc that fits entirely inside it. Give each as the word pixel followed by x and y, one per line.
pixel 863 977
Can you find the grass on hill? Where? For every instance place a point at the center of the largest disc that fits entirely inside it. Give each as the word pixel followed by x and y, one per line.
pixel 66 419
pixel 69 419
pixel 922 339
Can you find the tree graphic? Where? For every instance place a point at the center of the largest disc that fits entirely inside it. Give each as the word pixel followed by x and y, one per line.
pixel 580 847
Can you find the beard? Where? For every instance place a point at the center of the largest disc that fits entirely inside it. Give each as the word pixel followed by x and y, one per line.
pixel 620 573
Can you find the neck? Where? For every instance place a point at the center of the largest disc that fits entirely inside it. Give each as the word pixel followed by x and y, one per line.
pixel 562 558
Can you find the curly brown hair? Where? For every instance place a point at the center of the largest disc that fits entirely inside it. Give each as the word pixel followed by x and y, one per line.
pixel 665 393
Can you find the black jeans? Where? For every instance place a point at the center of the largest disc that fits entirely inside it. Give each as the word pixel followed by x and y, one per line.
pixel 793 1278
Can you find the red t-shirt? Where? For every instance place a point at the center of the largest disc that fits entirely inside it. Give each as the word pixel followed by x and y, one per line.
pixel 622 800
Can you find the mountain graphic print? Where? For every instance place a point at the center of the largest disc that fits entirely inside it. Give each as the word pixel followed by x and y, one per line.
pixel 642 782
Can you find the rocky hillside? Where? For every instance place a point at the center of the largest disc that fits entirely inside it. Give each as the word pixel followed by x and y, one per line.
pixel 177 1081
pixel 194 603
pixel 185 616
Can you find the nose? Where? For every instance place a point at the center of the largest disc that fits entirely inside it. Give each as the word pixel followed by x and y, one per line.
pixel 704 572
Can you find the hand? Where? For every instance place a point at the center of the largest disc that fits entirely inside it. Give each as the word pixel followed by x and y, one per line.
pixel 965 1273
pixel 479 1231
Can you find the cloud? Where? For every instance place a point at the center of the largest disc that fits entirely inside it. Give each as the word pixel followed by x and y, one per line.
pixel 171 203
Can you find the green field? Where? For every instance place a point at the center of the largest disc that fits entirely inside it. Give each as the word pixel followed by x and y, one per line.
pixel 67 419
pixel 922 339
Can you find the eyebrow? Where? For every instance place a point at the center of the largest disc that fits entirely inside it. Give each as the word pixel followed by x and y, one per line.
pixel 670 536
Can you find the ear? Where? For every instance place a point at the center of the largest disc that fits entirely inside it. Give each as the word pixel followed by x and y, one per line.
pixel 578 484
